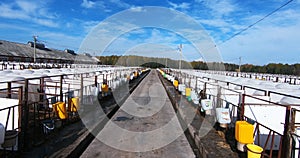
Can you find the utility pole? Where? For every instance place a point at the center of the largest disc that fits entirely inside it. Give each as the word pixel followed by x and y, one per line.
pixel 34 48
pixel 180 51
pixel 240 61
pixel 166 63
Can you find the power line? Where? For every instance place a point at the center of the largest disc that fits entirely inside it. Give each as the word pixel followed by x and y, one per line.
pixel 250 26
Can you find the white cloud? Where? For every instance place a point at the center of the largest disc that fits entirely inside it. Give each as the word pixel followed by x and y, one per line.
pixel 158 37
pixel 214 22
pixel 15 27
pixel 275 34
pixel 36 9
pixel 137 9
pixel 199 59
pixel 89 25
pixel 104 5
pixel 54 40
pixel 182 6
pixel 87 4
pixel 44 12
pixel 275 39
pixel 219 8
pixel 28 11
pixel 27 6
pixel 120 3
pixel 265 44
pixel 45 22
pixel 155 50
pixel 6 11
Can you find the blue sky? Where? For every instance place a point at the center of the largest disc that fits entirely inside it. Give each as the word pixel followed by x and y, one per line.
pixel 65 24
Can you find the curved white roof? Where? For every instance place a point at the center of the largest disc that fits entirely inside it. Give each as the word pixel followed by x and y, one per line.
pixel 289 100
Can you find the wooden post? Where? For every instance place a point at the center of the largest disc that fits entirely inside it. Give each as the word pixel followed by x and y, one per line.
pixel 293 120
pixel 204 88
pixel 189 81
pixel 219 101
pixel 241 106
pixel 25 116
pixel 96 82
pixel 196 86
pixel 20 121
pixel 286 142
pixel 8 89
pixel 42 89
pixel 81 88
pixel 61 88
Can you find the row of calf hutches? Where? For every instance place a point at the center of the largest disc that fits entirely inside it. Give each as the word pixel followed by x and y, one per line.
pixel 223 114
pixel 244 131
pixel 244 136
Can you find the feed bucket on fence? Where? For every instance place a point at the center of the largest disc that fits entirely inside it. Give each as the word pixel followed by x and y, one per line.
pixel 10 139
pixel 74 104
pixel 175 83
pixel 244 132
pixel 136 74
pixel 2 133
pixel 223 115
pixel 181 88
pixel 60 109
pixel 188 92
pixel 206 104
pixel 48 126
pixel 194 97
pixel 104 88
pixel 254 151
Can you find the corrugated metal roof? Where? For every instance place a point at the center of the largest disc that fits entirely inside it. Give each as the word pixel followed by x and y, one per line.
pixel 23 50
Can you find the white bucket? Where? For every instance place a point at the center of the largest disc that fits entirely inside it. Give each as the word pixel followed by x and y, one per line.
pixel 10 139
pixel 206 104
pixel 2 133
pixel 194 97
pixel 241 147
pixel 181 88
pixel 223 115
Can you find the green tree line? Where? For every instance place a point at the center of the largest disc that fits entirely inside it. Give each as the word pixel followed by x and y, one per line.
pixel 272 68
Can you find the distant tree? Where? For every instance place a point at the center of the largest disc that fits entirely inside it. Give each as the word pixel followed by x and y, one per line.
pixel 132 60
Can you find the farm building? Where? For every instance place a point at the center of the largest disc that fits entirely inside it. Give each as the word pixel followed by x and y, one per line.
pixel 18 52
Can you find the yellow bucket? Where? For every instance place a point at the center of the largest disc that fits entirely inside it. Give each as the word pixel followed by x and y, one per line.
pixel 254 151
pixel 104 88
pixel 188 92
pixel 74 104
pixel 136 74
pixel 244 132
pixel 60 109
pixel 175 83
